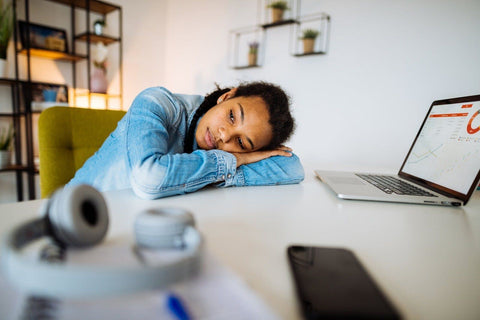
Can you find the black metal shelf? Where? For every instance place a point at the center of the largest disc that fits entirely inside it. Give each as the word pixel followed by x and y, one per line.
pixel 19 85
pixel 279 23
pixel 246 67
pixel 8 81
pixel 20 81
pixel 12 114
pixel 93 5
pixel 15 115
pixel 13 168
pixel 94 38
pixel 22 91
pixel 309 54
pixel 52 54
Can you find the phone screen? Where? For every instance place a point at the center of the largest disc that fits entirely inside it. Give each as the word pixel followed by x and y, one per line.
pixel 332 284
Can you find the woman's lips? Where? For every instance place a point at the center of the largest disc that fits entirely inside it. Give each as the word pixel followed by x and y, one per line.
pixel 209 140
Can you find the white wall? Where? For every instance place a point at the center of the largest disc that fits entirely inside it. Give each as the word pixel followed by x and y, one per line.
pixel 362 103
pixel 144 26
pixel 359 105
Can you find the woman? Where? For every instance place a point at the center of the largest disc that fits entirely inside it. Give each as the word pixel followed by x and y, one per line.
pixel 169 144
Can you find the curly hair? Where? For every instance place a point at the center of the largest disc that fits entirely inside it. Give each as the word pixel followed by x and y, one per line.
pixel 276 100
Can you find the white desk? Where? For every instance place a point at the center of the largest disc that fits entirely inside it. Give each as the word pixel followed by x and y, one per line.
pixel 426 258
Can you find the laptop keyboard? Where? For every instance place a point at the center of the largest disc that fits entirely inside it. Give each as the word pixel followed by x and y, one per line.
pixel 389 184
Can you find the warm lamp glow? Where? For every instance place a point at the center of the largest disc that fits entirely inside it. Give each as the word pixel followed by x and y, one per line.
pixel 114 103
pixel 81 101
pixel 98 101
pixel 84 99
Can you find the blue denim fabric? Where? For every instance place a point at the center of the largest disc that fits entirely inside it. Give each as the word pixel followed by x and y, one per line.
pixel 145 152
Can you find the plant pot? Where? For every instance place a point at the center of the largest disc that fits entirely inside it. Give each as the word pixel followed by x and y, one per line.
pixel 252 59
pixel 308 45
pixel 277 15
pixel 5 158
pixel 98 29
pixel 98 82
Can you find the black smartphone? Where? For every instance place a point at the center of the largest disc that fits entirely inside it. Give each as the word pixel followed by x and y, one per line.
pixel 331 283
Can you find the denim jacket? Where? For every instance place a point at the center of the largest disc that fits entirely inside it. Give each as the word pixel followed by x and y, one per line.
pixel 145 152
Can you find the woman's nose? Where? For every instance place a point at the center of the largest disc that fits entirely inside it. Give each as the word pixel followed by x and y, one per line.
pixel 224 134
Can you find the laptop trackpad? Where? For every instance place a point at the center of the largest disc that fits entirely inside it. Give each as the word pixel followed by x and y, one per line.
pixel 346 180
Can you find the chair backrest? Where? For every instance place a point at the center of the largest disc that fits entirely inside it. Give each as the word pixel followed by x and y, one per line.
pixel 68 136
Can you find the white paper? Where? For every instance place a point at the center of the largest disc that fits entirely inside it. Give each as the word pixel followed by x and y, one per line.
pixel 216 293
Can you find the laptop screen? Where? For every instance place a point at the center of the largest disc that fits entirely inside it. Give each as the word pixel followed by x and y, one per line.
pixel 446 151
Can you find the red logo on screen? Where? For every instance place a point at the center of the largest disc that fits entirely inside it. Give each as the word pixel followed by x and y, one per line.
pixel 469 125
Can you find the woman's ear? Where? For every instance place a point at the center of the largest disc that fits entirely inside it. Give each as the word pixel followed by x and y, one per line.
pixel 227 95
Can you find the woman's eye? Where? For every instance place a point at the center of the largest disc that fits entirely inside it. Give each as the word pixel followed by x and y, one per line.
pixel 232 117
pixel 240 143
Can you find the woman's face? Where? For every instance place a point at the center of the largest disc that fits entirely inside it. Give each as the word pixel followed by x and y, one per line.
pixel 235 124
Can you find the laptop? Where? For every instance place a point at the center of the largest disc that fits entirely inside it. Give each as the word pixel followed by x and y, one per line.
pixel 442 166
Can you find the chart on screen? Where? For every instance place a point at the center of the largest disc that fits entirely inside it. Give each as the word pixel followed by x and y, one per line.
pixel 447 150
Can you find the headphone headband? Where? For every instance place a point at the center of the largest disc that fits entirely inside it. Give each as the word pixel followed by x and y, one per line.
pixel 52 279
pixel 77 216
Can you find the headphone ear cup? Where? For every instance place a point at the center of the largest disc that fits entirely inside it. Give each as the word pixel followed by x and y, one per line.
pixel 162 228
pixel 78 216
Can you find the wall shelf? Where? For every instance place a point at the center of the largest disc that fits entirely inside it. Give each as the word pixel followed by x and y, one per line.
pixel 7 81
pixel 12 114
pixel 239 38
pixel 18 119
pixel 316 21
pixel 14 167
pixel 279 23
pixel 97 38
pixel 240 42
pixel 308 54
pixel 246 67
pixel 92 5
pixel 52 54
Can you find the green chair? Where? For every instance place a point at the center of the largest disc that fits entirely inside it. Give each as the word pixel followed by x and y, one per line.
pixel 68 136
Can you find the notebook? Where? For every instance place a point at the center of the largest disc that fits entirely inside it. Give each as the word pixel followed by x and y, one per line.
pixel 442 166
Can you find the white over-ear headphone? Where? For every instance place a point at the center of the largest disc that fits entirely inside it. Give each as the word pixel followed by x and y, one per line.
pixel 77 216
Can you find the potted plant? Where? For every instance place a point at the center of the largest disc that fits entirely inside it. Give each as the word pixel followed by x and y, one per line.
pixel 308 37
pixel 6 27
pixel 278 8
pixel 6 137
pixel 252 53
pixel 98 26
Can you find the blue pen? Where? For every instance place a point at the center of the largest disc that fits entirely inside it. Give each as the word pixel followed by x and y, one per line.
pixel 177 307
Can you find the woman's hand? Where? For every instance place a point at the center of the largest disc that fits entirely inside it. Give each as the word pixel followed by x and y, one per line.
pixel 250 157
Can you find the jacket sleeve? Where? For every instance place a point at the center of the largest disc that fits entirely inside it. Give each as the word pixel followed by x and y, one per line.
pixel 271 171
